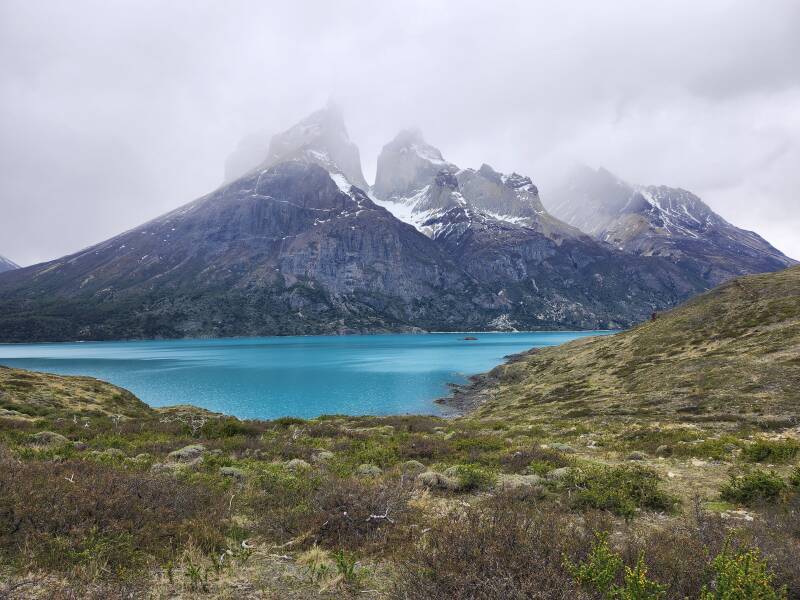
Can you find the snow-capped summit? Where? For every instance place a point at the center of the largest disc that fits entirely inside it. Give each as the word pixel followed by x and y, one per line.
pixel 661 221
pixel 420 187
pixel 406 165
pixel 322 139
pixel 7 265
pixel 511 198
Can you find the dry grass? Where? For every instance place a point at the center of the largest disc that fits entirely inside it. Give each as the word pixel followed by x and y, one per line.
pixel 723 359
pixel 29 394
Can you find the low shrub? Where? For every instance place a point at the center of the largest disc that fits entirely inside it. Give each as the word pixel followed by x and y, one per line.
pixel 424 447
pixel 741 575
pixel 85 515
pixel 772 451
pixel 360 514
pixel 753 487
pixel 600 571
pixel 382 453
pixel 226 427
pixel 620 490
pixel 503 549
pixel 280 502
pixel 604 567
pixel 473 477
pixel 467 444
pixel 794 478
pixel 534 458
pixel 287 422
pixel 714 448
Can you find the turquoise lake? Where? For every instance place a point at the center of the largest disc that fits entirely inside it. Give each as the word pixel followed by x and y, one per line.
pixel 288 376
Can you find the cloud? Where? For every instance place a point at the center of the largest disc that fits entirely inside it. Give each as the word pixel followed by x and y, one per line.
pixel 112 113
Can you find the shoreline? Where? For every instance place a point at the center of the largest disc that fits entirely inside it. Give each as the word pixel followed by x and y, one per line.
pixel 466 397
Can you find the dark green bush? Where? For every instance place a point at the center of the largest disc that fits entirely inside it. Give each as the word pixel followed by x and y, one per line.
pixel 534 458
pixel 286 422
pixel 753 487
pixel 794 478
pixel 473 477
pixel 620 490
pixel 772 451
pixel 226 427
pixel 742 575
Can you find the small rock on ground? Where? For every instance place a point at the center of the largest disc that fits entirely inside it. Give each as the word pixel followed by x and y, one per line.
pixel 187 453
pixel 48 438
pixel 366 470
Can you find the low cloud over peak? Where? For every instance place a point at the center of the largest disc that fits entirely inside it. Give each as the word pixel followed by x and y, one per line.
pixel 111 114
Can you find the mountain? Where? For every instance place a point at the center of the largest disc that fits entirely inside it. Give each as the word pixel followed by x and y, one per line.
pixel 300 245
pixel 662 221
pixel 282 250
pixel 7 265
pixel 727 357
pixel 495 226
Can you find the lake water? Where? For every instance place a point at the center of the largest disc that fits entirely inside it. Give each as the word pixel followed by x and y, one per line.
pixel 280 376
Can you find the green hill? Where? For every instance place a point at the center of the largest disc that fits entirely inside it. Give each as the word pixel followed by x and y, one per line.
pixel 726 358
pixel 32 394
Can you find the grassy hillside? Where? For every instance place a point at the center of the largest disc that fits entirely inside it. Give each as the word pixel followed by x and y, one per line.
pixel 27 394
pixel 583 460
pixel 728 358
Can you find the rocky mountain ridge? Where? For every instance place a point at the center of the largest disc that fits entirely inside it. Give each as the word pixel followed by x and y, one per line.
pixel 662 221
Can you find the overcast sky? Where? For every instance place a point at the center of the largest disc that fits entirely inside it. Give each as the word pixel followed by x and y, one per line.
pixel 114 112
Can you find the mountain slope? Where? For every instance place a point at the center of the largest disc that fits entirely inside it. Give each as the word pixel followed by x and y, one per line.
pixel 729 356
pixel 7 265
pixel 283 250
pixel 662 221
pixel 495 226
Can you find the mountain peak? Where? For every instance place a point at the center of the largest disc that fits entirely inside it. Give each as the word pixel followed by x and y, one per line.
pixel 661 221
pixel 407 164
pixel 412 140
pixel 320 138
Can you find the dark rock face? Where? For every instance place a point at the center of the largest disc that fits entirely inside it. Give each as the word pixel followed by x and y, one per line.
pixel 512 196
pixel 575 283
pixel 286 251
pixel 663 221
pixel 7 265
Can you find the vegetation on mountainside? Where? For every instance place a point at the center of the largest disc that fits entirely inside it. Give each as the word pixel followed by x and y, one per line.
pixel 32 394
pixel 591 494
pixel 728 359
